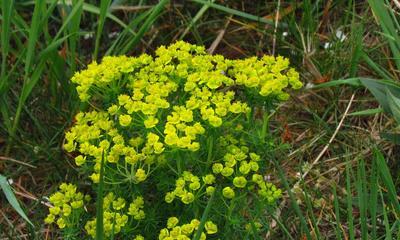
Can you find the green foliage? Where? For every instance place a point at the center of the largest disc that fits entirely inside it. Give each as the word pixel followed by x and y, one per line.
pixel 5 186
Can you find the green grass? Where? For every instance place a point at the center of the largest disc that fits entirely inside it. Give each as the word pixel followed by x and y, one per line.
pixel 351 194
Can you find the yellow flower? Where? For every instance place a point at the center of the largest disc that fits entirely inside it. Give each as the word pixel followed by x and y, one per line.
pixel 172 222
pixel 210 227
pixel 228 192
pixel 49 219
pixel 215 121
pixel 239 182
pixel 150 122
pixel 217 168
pixel 227 171
pixel 125 120
pixel 210 190
pixel 140 175
pixel 61 223
pixel 80 160
pixel 187 198
pixel 209 179
pixel 169 197
pixel 139 237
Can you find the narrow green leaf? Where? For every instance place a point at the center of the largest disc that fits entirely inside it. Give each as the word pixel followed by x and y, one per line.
pixel 235 12
pixel 384 14
pixel 146 25
pixel 373 200
pixel 388 232
pixel 294 203
pixel 392 137
pixel 386 177
pixel 7 7
pixel 99 203
pixel 367 112
pixel 204 217
pixel 127 34
pixel 362 197
pixel 349 200
pixel 12 199
pixel 104 6
pixel 196 18
pixel 394 104
pixel 377 68
pixel 337 214
pixel 73 41
pixel 350 81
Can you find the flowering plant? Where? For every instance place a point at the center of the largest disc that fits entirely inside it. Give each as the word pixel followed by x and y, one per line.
pixel 177 143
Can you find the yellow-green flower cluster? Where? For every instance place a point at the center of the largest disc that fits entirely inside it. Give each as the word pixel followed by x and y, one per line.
pixel 106 74
pixel 136 209
pixel 145 111
pixel 186 187
pixel 115 215
pixel 65 203
pixel 241 167
pixel 249 226
pixel 185 231
pixel 95 136
pixel 269 75
pixel 170 99
pixel 266 190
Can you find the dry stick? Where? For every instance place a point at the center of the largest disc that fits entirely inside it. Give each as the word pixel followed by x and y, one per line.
pixel 16 161
pixel 279 210
pixel 276 27
pixel 397 3
pixel 330 140
pixel 217 40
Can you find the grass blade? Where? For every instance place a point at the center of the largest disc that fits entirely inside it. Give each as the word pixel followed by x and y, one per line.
pixel 294 203
pixel 34 33
pixel 199 14
pixel 337 214
pixel 373 200
pixel 204 217
pixel 146 25
pixel 235 12
pixel 349 199
pixel 104 6
pixel 12 199
pixel 99 203
pixel 386 177
pixel 388 25
pixel 388 233
pixel 394 104
pixel 367 112
pixel 362 198
pixel 6 10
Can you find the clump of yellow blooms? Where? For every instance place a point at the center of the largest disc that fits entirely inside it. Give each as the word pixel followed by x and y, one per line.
pixel 115 215
pixel 241 167
pixel 66 203
pixel 185 188
pixel 180 116
pixel 185 231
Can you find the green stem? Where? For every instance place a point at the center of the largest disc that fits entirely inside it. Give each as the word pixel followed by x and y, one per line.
pixel 264 127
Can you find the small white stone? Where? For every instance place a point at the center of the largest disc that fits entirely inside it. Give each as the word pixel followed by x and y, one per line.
pixel 327 45
pixel 88 35
pixel 340 35
pixel 309 85
pixel 112 34
pixel 10 181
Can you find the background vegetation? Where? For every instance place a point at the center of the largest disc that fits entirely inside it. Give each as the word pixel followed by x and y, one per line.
pixel 340 165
